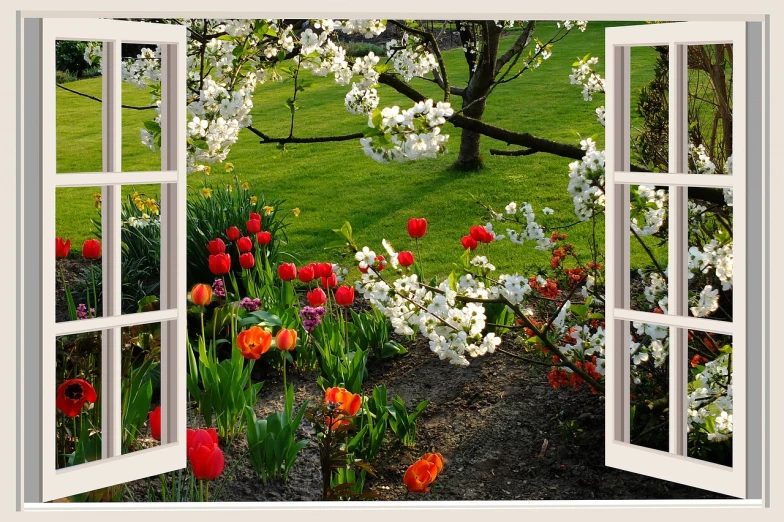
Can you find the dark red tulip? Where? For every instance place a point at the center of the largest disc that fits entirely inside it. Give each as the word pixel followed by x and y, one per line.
pixel 247 260
pixel 61 248
pixel 91 249
pixel 329 282
pixel 317 297
pixel 263 237
pixel 344 296
pixel 469 243
pixel 73 394
pixel 244 244
pixel 256 216
pixel 405 258
pixel 220 264
pixel 287 271
pixel 233 233
pixel 254 225
pixel 155 423
pixel 216 246
pixel 417 227
pixel 205 456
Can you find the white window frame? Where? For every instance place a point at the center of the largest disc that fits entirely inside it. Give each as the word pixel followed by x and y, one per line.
pixel 43 482
pixel 746 326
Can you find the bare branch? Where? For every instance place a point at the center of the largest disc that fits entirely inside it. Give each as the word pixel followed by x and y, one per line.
pixel 521 43
pixel 134 107
pixel 294 139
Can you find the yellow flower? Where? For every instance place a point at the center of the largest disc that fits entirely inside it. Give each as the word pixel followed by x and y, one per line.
pixel 207 170
pixel 206 192
pixel 97 198
pixel 253 200
pixel 245 186
pixel 229 188
pixel 152 205
pixel 229 167
pixel 268 210
pixel 296 212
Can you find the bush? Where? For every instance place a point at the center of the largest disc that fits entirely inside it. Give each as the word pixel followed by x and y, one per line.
pixel 69 57
pixel 360 49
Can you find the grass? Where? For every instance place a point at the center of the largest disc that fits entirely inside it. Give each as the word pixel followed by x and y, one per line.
pixel 335 182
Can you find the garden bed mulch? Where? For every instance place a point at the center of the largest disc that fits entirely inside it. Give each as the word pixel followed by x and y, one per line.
pixel 495 422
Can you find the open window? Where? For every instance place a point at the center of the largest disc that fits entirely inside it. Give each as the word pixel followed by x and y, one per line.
pixel 732 339
pixel 98 337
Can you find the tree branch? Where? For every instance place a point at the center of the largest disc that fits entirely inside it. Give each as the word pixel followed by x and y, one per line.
pixel 136 108
pixel 443 80
pixel 518 152
pixel 312 139
pixel 520 44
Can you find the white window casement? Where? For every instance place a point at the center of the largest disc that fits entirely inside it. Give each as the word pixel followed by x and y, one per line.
pixel 743 478
pixel 43 482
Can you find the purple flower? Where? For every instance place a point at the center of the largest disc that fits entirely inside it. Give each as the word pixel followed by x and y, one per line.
pixel 81 312
pixel 312 317
pixel 218 289
pixel 251 305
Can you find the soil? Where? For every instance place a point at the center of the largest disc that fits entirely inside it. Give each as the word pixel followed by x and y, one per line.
pixel 73 270
pixel 496 424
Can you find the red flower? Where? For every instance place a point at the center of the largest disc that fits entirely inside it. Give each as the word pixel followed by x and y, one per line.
pixel 435 458
pixel 324 269
pixel 698 360
pixel 420 475
pixel 316 297
pixel 344 295
pixel 244 244
pixel 469 243
pixel 480 234
pixel 256 216
pixel 287 271
pixel 155 423
pixel 329 282
pixel 263 237
pixel 254 342
pixel 233 233
pixel 201 294
pixel 61 248
pixel 254 225
pixel 220 264
pixel 216 246
pixel 286 339
pixel 307 273
pixel 405 258
pixel 417 227
pixel 91 249
pixel 347 405
pixel 247 261
pixel 72 394
pixel 205 456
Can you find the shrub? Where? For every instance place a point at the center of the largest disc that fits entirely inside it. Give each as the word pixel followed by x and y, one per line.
pixel 361 49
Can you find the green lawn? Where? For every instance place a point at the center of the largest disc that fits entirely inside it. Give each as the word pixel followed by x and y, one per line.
pixel 335 182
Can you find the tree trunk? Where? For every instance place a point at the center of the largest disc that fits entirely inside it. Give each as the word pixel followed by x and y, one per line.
pixel 470 157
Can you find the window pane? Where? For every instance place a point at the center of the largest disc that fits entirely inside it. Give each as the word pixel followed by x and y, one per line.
pixel 141 250
pixel 141 387
pixel 648 244
pixel 79 250
pixel 649 415
pixel 709 415
pixel 649 108
pixel 710 253
pixel 710 108
pixel 141 150
pixel 79 121
pixel 78 414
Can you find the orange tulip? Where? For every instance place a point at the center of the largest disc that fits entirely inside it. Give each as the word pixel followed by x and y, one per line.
pixel 435 458
pixel 286 339
pixel 348 405
pixel 420 475
pixel 201 294
pixel 254 342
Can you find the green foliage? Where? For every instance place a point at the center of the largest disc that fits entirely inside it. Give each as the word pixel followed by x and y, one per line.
pixel 272 442
pixel 370 331
pixel 69 57
pixel 372 425
pixel 402 423
pixel 361 49
pixel 136 400
pixel 338 365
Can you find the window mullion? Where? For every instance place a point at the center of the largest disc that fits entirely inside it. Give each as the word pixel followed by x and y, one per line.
pixel 111 276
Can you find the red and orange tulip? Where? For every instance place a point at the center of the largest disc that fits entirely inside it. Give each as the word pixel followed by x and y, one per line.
pixel 286 339
pixel 348 405
pixel 201 294
pixel 254 342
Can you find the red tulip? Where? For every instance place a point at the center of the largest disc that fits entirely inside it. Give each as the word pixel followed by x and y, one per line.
pixel 329 282
pixel 419 476
pixel 256 216
pixel 435 458
pixel 244 244
pixel 307 273
pixel 201 294
pixel 348 404
pixel 324 269
pixel 206 458
pixel 91 249
pixel 344 295
pixel 405 258
pixel 233 233
pixel 316 297
pixel 287 271
pixel 263 237
pixel 247 261
pixel 417 227
pixel 286 339
pixel 220 264
pixel 469 243
pixel 480 233
pixel 155 423
pixel 254 225
pixel 216 246
pixel 61 248
pixel 73 394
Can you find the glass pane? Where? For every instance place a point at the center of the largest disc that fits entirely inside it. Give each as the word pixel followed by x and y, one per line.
pixel 710 108
pixel 79 250
pixel 141 150
pixel 710 253
pixel 79 121
pixel 649 416
pixel 141 250
pixel 141 387
pixel 78 414
pixel 709 416
pixel 648 244
pixel 649 108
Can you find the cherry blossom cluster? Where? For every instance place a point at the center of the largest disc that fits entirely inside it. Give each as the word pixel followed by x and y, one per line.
pixel 410 58
pixel 525 218
pixel 584 74
pixel 586 181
